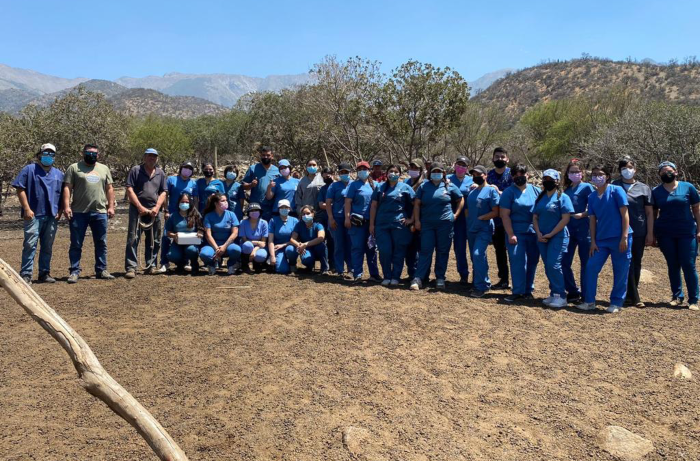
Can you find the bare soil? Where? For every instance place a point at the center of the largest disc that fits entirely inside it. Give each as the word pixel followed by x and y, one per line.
pixel 311 368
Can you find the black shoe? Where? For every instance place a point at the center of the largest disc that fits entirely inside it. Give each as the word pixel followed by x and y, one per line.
pixel 257 267
pixel 501 285
pixel 46 278
pixel 574 298
pixel 476 293
pixel 514 298
pixel 245 264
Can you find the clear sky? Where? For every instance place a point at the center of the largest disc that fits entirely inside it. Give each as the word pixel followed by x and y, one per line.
pixel 109 39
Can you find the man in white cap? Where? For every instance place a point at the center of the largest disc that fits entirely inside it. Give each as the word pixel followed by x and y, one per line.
pixel 38 188
pixel 145 187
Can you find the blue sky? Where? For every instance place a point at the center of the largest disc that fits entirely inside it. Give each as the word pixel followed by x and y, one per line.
pixel 110 39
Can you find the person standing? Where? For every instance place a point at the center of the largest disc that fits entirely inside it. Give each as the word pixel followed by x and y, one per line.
pixel 335 204
pixel 175 186
pixel 208 186
pixel 641 212
pixel 501 178
pixel 464 182
pixel 308 188
pixel 482 207
pixel 378 175
pixel 416 176
pixel 258 177
pixel 38 187
pixel 233 191
pixel 677 210
pixel 145 187
pixel 282 188
pixel 322 214
pixel 358 198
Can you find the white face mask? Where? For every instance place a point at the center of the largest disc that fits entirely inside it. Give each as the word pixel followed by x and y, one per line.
pixel 628 173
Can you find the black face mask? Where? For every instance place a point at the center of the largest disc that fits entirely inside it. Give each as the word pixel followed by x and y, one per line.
pixel 520 180
pixel 266 161
pixel 90 157
pixel 499 163
pixel 549 185
pixel 208 174
pixel 478 180
pixel 328 180
pixel 668 177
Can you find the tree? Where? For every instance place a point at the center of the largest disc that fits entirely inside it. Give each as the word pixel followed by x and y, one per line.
pixel 481 128
pixel 166 135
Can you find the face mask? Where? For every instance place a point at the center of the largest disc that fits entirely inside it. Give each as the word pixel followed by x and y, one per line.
pixel 627 173
pixel 47 160
pixel 230 175
pixel 499 163
pixel 311 169
pixel 478 180
pixel 413 173
pixel 328 180
pixel 184 206
pixel 254 214
pixel 185 173
pixel 668 177
pixel 549 185
pixel 284 211
pixel 598 180
pixel 520 180
pixel 363 174
pixel 284 172
pixel 307 218
pixel 266 161
pixel 575 177
pixel 222 205
pixel 90 157
pixel 436 177
pixel 460 170
pixel 208 173
pixel 393 177
pixel 345 177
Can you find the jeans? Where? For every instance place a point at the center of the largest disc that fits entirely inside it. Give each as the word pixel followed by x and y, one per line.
pixel 260 255
pixel 310 256
pixel 552 253
pixel 434 237
pixel 78 226
pixel 580 237
pixel 523 258
pixel 478 243
pixel 342 255
pixel 681 253
pixel 360 249
pixel 282 261
pixel 165 250
pixel 499 244
pixel 635 270
pixel 233 253
pixel 392 244
pixel 39 231
pixel 133 238
pixel 460 246
pixel 180 255
pixel 621 264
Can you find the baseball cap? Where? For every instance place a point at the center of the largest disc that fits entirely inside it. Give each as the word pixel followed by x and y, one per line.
pixel 667 163
pixel 437 166
pixel 552 173
pixel 363 163
pixel 187 164
pixel 151 151
pixel 417 162
pixel 254 206
pixel 377 163
pixel 48 146
pixel 345 166
pixel 284 202
pixel 284 162
pixel 480 169
pixel 462 159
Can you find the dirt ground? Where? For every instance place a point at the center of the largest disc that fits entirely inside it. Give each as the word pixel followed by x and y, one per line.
pixel 304 368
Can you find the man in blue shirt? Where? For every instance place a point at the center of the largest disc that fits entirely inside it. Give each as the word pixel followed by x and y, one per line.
pixel 258 177
pixel 39 191
pixel 502 179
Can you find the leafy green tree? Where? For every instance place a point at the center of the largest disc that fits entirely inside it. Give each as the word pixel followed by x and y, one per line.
pixel 481 128
pixel 166 135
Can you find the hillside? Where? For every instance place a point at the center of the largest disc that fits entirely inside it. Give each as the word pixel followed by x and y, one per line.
pixel 557 80
pixel 140 101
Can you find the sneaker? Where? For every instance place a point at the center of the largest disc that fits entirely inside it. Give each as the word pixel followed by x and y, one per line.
pixel 73 278
pixel 150 270
pixel 548 300
pixel 130 274
pixel 501 285
pixel 386 282
pixel 162 269
pixel 440 284
pixel 326 272
pixel 574 298
pixel 375 278
pixel 27 279
pixel 640 305
pixel 104 275
pixel 188 268
pixel 476 293
pixel 584 306
pixel 46 278
pixel 558 302
pixel 416 284
pixel 394 283
pixel 694 307
pixel 513 298
pixel 613 309
pixel 357 280
pixel 676 302
pixel 211 270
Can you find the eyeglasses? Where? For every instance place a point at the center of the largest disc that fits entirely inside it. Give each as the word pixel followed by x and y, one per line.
pixel 49 153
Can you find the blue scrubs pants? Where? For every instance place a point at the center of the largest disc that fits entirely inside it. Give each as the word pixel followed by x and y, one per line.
pixel 681 253
pixel 621 265
pixel 523 258
pixel 260 255
pixel 360 249
pixel 392 244
pixel 578 237
pixel 282 264
pixel 233 253
pixel 342 255
pixel 478 243
pixel 180 255
pixel 435 237
pixel 460 246
pixel 552 253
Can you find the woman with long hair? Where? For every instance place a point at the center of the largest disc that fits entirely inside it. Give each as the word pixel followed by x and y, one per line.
pixel 220 232
pixel 207 186
pixel 308 239
pixel 233 190
pixel 186 219
pixel 358 198
pixel 253 238
pixel 416 177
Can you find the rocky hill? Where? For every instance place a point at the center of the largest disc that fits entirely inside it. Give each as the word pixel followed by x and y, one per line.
pixel 141 101
pixel 557 80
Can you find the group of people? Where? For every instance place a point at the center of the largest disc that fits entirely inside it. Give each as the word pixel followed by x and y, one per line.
pixel 271 220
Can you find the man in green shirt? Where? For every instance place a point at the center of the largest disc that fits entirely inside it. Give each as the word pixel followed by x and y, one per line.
pixel 88 200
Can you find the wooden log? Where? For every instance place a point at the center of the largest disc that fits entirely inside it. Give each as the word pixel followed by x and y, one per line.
pixel 92 376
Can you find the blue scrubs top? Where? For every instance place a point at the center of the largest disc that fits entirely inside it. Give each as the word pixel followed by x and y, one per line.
pixel 464 186
pixel 480 202
pixel 204 191
pixel 43 189
pixel 307 234
pixel 393 204
pixel 322 215
pixel 258 171
pixel 436 201
pixel 282 230
pixel 675 216
pixel 336 192
pixel 606 209
pixel 247 231
pixel 579 199
pixel 521 205
pixel 220 225
pixel 177 223
pixel 361 195
pixel 285 188
pixel 549 211
pixel 234 194
pixel 176 186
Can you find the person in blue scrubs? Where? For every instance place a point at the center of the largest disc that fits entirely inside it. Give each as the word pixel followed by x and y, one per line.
pixel 186 219
pixel 517 205
pixel 279 238
pixel 482 207
pixel 611 235
pixel 358 198
pixel 220 231
pixel 282 188
pixel 174 187
pixel 416 177
pixel 233 190
pixel 335 204
pixel 579 228
pixel 552 213
pixel 258 177
pixel 207 186
pixel 677 207
pixel 252 235
pixel 308 239
pixel 391 215
pixel 434 218
pixel 322 214
pixel 464 182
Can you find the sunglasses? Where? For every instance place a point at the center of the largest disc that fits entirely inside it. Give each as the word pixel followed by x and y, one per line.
pixel 49 153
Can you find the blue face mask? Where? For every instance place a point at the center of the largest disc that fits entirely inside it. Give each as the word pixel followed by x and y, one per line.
pixel 393 177
pixel 47 160
pixel 231 175
pixel 363 174
pixel 284 211
pixel 184 206
pixel 307 218
pixel 436 176
pixel 345 177
pixel 311 169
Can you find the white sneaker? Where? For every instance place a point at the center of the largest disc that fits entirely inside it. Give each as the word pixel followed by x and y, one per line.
pixel 416 284
pixel 394 283
pixel 440 284
pixel 162 269
pixel 547 301
pixel 558 302
pixel 613 309
pixel 386 282
pixel 585 306
pixel 188 268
